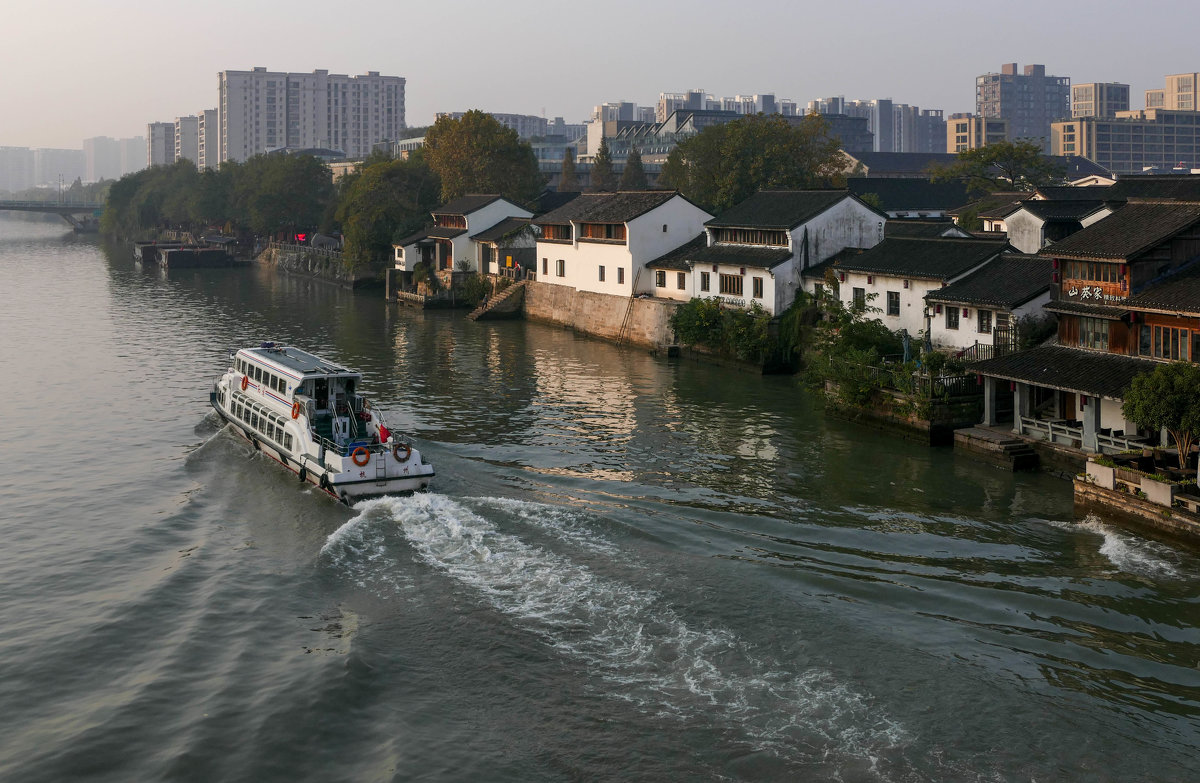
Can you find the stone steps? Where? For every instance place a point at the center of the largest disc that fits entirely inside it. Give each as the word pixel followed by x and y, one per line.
pixel 495 301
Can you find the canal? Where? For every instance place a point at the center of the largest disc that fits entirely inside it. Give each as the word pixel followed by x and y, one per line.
pixel 628 568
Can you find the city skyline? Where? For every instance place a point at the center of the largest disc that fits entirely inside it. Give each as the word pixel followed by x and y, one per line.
pixel 79 85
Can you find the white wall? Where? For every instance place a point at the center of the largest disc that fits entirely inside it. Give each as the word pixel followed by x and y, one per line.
pixel 1025 231
pixel 912 299
pixel 683 221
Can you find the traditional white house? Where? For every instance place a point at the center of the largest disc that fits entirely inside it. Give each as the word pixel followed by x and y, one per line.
pixel 895 276
pixel 447 244
pixel 1039 222
pixel 509 248
pixel 756 252
pixel 982 308
pixel 600 242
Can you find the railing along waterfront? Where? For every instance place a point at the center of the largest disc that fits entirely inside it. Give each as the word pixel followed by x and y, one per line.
pixel 288 247
pixel 1070 435
pixel 916 383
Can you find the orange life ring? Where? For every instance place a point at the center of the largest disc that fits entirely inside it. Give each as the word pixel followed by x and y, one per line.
pixel 296 409
pixel 245 382
pixel 361 451
pixel 402 448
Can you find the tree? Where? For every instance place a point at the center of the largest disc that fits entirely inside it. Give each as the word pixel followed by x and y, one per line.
pixel 477 154
pixel 723 165
pixel 603 178
pixel 1004 165
pixel 567 181
pixel 383 202
pixel 634 175
pixel 1168 398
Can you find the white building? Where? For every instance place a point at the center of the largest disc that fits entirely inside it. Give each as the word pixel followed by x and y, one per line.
pixel 208 139
pixel 261 110
pixel 54 167
pixel 600 242
pixel 894 277
pixel 448 244
pixel 187 138
pixel 757 251
pixel 1037 223
pixel 103 157
pixel 987 302
pixel 160 144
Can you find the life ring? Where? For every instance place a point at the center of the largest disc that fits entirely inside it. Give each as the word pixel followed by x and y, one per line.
pixel 245 382
pixel 363 452
pixel 296 409
pixel 402 451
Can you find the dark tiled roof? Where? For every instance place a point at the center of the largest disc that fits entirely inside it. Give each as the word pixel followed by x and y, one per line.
pixel 678 258
pixel 907 193
pixel 1128 232
pixel 818 270
pixel 915 163
pixel 433 232
pixel 618 207
pixel 1068 369
pixel 992 203
pixel 778 209
pixel 938 259
pixel 1180 187
pixel 927 229
pixel 1008 281
pixel 501 230
pixel 742 255
pixel 1077 167
pixel 1179 293
pixel 1061 210
pixel 549 200
pixel 1076 307
pixel 465 205
pixel 1074 193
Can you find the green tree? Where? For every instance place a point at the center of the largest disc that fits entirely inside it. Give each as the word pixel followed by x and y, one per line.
pixel 634 175
pixel 1168 398
pixel 568 182
pixel 1005 165
pixel 383 202
pixel 603 178
pixel 477 154
pixel 726 164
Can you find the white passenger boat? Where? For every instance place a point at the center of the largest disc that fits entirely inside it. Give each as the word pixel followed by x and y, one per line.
pixel 306 413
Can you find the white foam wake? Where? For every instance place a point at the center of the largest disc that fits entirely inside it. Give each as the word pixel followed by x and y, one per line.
pixel 644 651
pixel 1127 552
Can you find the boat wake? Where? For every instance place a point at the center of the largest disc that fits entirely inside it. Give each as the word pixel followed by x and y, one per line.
pixel 1127 552
pixel 643 650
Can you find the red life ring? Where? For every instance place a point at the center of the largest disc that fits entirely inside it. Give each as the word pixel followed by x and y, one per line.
pixel 402 449
pixel 361 451
pixel 296 409
pixel 245 382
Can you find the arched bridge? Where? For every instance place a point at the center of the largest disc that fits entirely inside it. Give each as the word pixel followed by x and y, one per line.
pixel 82 217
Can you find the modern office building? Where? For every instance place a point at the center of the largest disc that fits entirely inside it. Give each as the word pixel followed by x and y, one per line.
pixel 1133 141
pixel 260 111
pixel 1099 99
pixel 1029 100
pixel 1182 93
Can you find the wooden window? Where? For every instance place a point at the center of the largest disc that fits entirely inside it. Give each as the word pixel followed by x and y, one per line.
pixel 704 281
pixel 545 266
pixel 620 275
pixel 1170 343
pixel 985 322
pixel 1093 333
pixel 560 268
pixel 660 279
pixel 601 274
pixel 751 236
pixel 756 287
pixel 556 233
pixel 606 231
pixel 893 303
pixel 731 284
pixel 952 317
pixel 859 297
pixel 680 280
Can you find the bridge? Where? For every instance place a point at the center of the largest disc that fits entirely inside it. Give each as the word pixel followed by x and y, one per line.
pixel 81 216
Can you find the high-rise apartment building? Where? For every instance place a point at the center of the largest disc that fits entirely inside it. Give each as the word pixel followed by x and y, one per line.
pixel 16 168
pixel 261 110
pixel 896 127
pixel 160 143
pixel 133 154
pixel 52 167
pixel 187 138
pixel 1099 99
pixel 1182 93
pixel 967 132
pixel 208 139
pixel 526 125
pixel 103 158
pixel 1030 100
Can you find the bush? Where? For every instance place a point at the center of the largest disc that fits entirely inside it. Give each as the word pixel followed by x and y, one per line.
pixel 741 334
pixel 474 289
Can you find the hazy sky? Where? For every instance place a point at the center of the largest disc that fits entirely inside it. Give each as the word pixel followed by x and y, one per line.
pixel 75 69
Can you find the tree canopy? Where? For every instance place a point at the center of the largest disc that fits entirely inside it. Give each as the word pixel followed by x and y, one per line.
pixel 723 165
pixel 1005 165
pixel 1168 398
pixel 603 178
pixel 568 182
pixel 477 154
pixel 634 175
pixel 381 203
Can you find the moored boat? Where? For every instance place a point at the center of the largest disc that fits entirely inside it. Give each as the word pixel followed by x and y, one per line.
pixel 307 414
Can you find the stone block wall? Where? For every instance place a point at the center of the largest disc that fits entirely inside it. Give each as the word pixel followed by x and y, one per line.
pixel 601 315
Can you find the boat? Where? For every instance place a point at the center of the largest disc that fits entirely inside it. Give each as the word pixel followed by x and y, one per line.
pixel 307 414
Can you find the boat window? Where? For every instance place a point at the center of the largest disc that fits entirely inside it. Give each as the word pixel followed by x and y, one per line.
pixel 287 441
pixel 254 420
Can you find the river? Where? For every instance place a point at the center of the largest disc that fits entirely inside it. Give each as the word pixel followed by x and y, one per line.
pixel 628 568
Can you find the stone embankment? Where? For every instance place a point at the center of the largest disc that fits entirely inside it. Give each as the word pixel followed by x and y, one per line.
pixel 314 262
pixel 641 322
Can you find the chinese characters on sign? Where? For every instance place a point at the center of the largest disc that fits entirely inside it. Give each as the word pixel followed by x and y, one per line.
pixel 1092 292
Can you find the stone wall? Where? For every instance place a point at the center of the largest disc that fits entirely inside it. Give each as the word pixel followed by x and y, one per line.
pixel 601 315
pixel 320 264
pixel 1177 522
